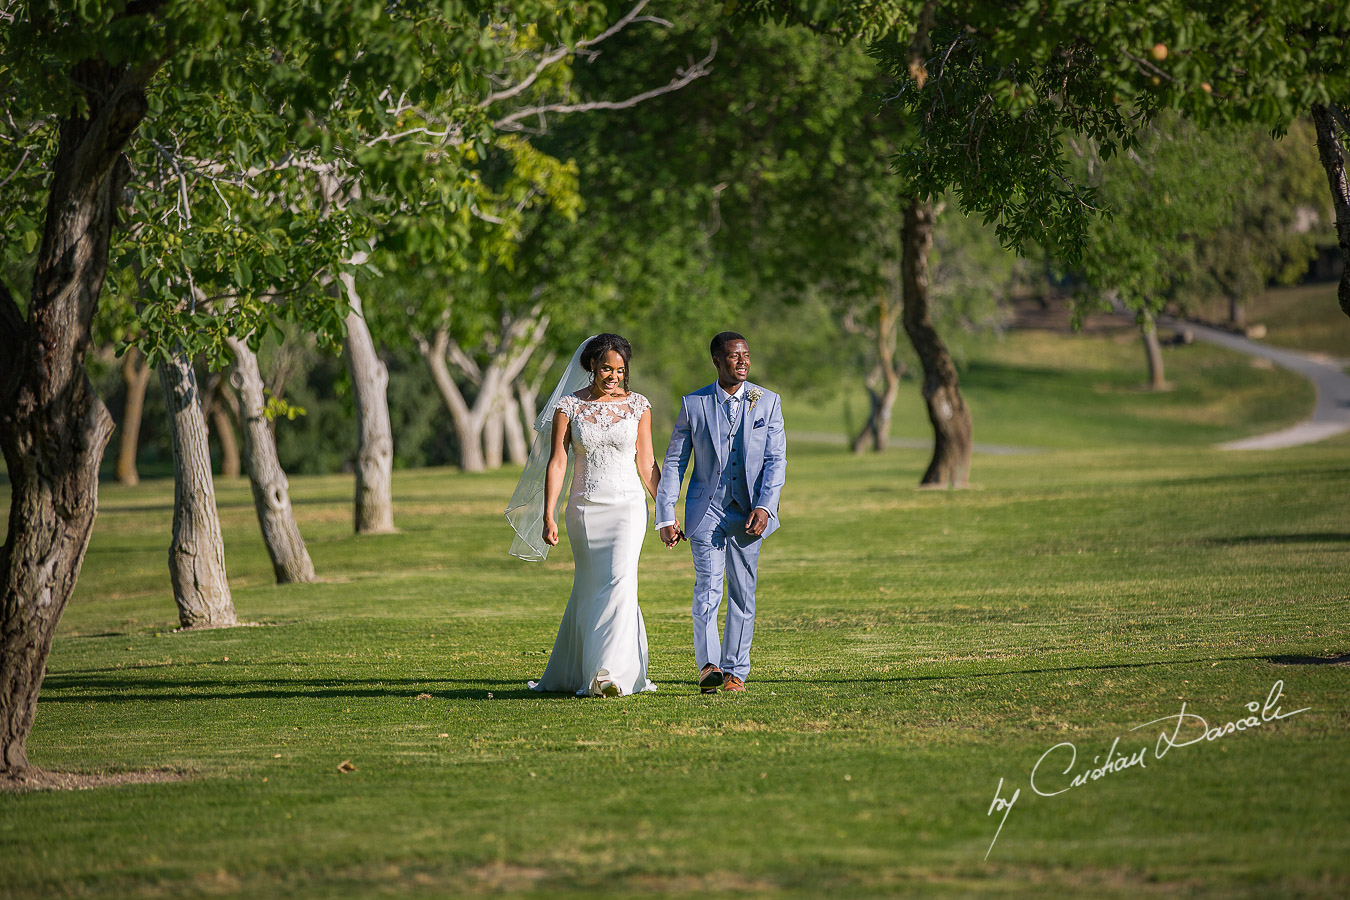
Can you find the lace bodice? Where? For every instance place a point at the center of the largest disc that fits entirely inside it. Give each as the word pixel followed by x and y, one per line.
pixel 604 444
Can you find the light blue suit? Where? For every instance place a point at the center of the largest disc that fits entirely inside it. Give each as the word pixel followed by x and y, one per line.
pixel 737 468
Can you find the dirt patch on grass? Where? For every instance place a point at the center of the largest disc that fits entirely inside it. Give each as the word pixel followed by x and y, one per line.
pixel 35 779
pixel 503 876
pixel 712 883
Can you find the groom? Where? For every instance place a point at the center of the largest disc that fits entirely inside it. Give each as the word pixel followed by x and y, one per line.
pixel 735 431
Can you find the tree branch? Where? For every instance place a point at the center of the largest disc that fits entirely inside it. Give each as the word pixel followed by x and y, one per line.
pixel 486 217
pixel 1339 116
pixel 560 53
pixel 683 77
pixel 536 383
pixel 22 160
pixel 434 353
pixel 462 361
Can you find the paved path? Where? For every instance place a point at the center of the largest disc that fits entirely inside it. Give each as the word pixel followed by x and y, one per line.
pixel 1330 417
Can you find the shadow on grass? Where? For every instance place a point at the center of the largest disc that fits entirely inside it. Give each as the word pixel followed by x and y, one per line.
pixel 1315 537
pixel 117 504
pixel 89 687
pixel 99 689
pixel 1342 660
pixel 1336 472
pixel 1052 670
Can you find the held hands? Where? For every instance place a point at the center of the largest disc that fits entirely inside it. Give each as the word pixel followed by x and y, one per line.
pixel 671 535
pixel 758 521
pixel 550 532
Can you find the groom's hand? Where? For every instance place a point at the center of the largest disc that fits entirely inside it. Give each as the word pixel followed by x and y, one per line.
pixel 670 536
pixel 758 521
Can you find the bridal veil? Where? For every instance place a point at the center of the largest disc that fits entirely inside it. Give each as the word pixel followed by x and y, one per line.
pixel 525 512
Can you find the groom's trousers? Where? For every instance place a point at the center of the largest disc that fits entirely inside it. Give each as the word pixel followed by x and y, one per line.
pixel 723 548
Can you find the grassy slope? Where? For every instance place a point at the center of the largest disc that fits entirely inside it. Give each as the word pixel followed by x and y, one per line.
pixel 1045 390
pixel 913 648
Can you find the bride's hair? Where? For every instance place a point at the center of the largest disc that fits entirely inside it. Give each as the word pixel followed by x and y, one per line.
pixel 602 344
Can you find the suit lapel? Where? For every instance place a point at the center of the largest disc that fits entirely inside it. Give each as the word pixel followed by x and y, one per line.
pixel 749 434
pixel 717 424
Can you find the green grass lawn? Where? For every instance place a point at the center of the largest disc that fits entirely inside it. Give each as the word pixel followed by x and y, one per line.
pixel 1040 389
pixel 913 648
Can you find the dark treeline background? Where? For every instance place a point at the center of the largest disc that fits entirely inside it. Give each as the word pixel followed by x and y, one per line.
pixel 762 198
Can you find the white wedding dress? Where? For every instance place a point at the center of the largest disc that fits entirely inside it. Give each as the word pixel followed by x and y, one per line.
pixel 602 642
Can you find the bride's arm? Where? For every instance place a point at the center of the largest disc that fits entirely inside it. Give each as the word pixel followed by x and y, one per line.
pixel 554 475
pixel 648 470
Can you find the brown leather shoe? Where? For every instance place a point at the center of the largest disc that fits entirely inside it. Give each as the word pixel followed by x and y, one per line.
pixel 732 683
pixel 709 678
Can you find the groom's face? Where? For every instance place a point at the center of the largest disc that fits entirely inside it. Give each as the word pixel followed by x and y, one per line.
pixel 733 364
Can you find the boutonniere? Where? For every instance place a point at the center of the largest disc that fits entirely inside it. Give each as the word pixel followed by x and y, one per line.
pixel 753 397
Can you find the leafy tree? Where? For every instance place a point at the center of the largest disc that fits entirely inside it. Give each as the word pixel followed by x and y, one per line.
pixel 77 85
pixel 1273 234
pixel 1175 229
pixel 208 211
pixel 1165 195
pixel 479 313
pixel 995 88
pixel 781 162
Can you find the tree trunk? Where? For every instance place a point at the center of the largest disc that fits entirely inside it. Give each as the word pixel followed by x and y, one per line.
pixel 1153 350
pixel 1237 313
pixel 517 448
pixel 1331 150
pixel 53 427
pixel 468 422
pixel 480 427
pixel 271 491
pixel 135 378
pixel 223 426
pixel 197 553
pixel 867 437
pixel 375 450
pixel 941 391
pixel 877 431
pixel 529 393
pixel 881 432
pixel 494 433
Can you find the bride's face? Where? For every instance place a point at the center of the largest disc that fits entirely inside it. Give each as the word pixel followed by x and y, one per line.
pixel 610 370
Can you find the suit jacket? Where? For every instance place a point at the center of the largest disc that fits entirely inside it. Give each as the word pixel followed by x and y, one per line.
pixel 701 429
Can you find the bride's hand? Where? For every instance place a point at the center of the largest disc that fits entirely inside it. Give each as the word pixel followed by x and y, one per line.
pixel 551 533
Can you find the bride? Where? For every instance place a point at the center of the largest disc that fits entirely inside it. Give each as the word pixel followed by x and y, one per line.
pixel 601 649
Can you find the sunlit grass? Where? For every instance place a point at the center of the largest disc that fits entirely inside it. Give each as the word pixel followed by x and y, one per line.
pixel 912 649
pixel 1048 390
